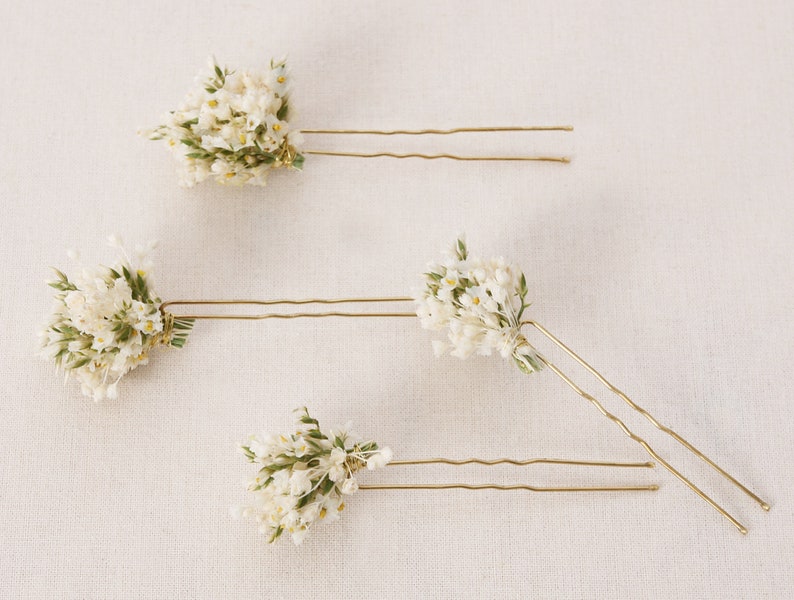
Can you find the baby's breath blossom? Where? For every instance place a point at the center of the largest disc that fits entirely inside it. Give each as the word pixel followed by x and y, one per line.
pixel 304 476
pixel 105 322
pixel 233 127
pixel 480 304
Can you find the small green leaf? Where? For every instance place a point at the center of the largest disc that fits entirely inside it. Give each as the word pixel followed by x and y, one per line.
pixel 462 253
pixel 78 363
pixel 326 486
pixel 276 534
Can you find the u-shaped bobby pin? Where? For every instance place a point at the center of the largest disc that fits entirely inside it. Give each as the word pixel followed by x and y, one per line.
pixel 236 127
pixel 306 476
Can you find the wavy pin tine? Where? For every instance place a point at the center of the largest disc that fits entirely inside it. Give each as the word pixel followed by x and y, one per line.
pixel 642 443
pixel 559 159
pixel 295 315
pixel 415 132
pixel 522 463
pixel 437 131
pixel 494 486
pixel 764 505
pixel 515 486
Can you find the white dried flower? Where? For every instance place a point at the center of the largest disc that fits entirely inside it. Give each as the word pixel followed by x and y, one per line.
pixel 304 476
pixel 233 126
pixel 105 322
pixel 479 303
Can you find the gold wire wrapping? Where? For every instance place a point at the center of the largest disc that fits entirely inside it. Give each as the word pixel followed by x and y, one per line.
pixel 287 155
pixel 168 328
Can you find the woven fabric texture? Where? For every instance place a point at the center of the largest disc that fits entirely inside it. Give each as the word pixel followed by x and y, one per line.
pixel 662 254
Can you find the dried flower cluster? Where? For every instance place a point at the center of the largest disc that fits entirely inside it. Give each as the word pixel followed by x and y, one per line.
pixel 479 303
pixel 305 476
pixel 105 322
pixel 233 127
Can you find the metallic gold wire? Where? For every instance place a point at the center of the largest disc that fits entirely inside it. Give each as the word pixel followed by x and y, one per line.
pixel 559 159
pixel 289 302
pixel 645 413
pixel 641 442
pixel 520 463
pixel 436 131
pixel 493 486
pixel 517 486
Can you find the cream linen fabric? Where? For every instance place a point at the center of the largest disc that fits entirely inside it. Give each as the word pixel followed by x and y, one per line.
pixel 663 254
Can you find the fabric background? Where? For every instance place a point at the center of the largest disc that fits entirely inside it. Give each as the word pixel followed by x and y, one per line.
pixel 662 254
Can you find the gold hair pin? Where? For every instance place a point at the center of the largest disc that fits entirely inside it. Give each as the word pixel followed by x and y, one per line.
pixel 235 127
pixel 305 477
pixel 106 322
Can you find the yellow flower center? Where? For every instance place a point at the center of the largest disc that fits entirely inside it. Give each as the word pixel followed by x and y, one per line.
pixel 229 175
pixel 341 507
pixel 276 127
pixel 242 138
pixel 281 79
pixel 476 300
pixel 171 143
pixel 149 327
pixel 141 272
pixel 323 513
pixel 101 340
pixel 213 103
pixel 450 281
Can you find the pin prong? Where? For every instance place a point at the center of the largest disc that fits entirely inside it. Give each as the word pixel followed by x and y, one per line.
pixel 494 486
pixel 516 486
pixel 415 132
pixel 556 370
pixel 437 131
pixel 558 159
pixel 521 463
pixel 764 505
pixel 289 302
